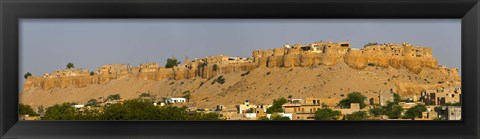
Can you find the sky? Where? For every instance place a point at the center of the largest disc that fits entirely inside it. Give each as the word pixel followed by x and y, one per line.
pixel 49 44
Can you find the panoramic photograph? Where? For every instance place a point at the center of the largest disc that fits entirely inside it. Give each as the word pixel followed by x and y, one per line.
pixel 240 69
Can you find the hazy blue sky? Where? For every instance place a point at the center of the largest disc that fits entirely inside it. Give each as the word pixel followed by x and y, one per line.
pixel 49 44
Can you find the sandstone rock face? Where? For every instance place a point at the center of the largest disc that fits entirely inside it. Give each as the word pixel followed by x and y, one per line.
pixel 356 60
pixel 395 62
pixel 262 62
pixel 272 61
pixel 306 59
pixel 289 60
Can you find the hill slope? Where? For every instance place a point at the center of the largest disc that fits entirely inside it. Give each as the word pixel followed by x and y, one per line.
pixel 260 86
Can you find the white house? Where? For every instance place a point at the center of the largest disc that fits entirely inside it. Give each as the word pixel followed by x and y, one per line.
pixel 289 115
pixel 78 106
pixel 250 115
pixel 175 100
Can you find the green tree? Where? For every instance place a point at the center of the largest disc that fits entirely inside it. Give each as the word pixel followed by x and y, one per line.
pixel 26 110
pixel 114 97
pixel 396 98
pixel 359 115
pixel 277 105
pixel 63 111
pixel 376 111
pixel 415 111
pixel 92 102
pixel 205 116
pixel 264 118
pixel 277 117
pixel 26 75
pixel 135 109
pixel 354 97
pixel 92 73
pixel 88 114
pixel 171 62
pixel 326 114
pixel 393 110
pixel 138 109
pixel 70 65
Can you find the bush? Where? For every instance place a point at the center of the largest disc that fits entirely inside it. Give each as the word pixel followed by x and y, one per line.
pixel 354 97
pixel 396 98
pixel 274 117
pixel 92 102
pixel 219 80
pixel 359 115
pixel 393 110
pixel 70 65
pixel 26 75
pixel 415 111
pixel 63 111
pixel 171 62
pixel 114 97
pixel 264 118
pixel 277 105
pixel 135 109
pixel 277 117
pixel 205 116
pixel 26 110
pixel 376 111
pixel 326 114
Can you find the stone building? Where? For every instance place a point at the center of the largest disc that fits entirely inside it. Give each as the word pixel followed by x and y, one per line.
pixel 451 112
pixel 441 96
pixel 385 97
pixel 305 110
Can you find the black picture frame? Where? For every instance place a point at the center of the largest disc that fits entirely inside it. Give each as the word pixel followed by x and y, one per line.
pixel 466 10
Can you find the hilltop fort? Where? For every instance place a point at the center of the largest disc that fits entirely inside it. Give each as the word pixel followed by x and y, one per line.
pixel 321 69
pixel 297 55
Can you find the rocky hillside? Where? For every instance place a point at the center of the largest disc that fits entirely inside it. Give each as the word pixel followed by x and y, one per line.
pixel 260 85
